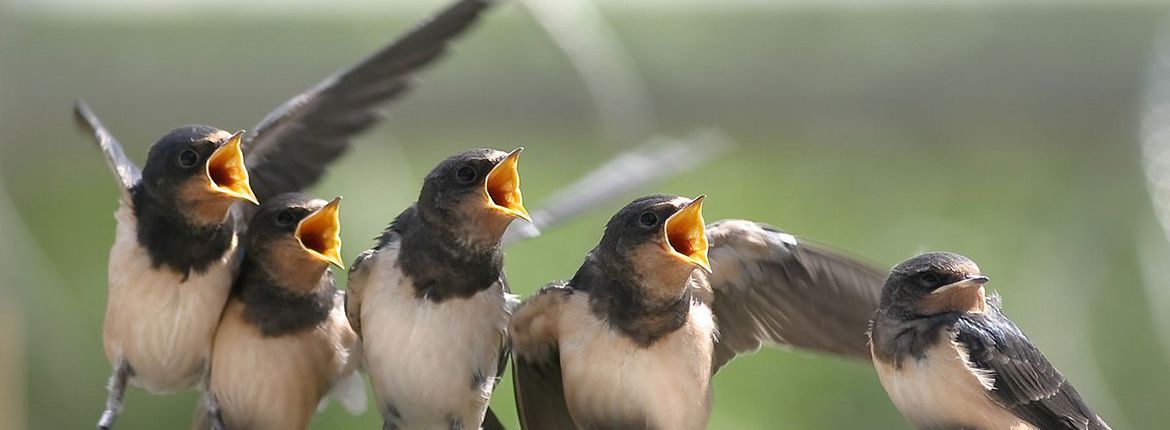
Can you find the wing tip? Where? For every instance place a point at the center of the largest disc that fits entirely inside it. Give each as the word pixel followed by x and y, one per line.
pixel 83 117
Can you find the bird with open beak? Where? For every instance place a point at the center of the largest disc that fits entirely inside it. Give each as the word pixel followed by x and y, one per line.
pixel 663 302
pixel 173 261
pixel 174 256
pixel 950 359
pixel 430 302
pixel 283 343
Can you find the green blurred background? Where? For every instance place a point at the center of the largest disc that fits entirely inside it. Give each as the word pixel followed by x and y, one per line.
pixel 1006 131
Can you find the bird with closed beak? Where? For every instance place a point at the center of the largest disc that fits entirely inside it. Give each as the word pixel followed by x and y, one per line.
pixel 950 359
pixel 175 251
pixel 430 301
pixel 633 339
pixel 283 342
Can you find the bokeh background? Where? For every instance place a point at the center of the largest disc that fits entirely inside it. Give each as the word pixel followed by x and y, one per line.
pixel 1004 130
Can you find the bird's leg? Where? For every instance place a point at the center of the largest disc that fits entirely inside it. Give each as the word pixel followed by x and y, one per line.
pixel 454 423
pixel 491 421
pixel 390 417
pixel 210 402
pixel 214 416
pixel 116 390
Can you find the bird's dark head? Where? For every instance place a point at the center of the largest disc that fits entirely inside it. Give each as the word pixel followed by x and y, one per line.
pixel 935 283
pixel 658 236
pixel 296 236
pixel 200 170
pixel 475 193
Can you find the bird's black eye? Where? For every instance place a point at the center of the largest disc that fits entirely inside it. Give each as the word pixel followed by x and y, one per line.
pixel 285 218
pixel 930 278
pixel 648 219
pixel 465 175
pixel 188 158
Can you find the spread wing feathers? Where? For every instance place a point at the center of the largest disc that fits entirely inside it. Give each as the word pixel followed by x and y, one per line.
pixel 536 366
pixel 290 148
pixel 647 163
pixel 769 289
pixel 125 171
pixel 1025 382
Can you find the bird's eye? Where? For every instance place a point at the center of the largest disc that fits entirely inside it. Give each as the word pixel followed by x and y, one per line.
pixel 465 175
pixel 930 278
pixel 648 219
pixel 188 158
pixel 285 218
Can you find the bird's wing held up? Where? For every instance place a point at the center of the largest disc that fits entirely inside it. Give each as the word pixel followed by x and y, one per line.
pixel 290 148
pixel 536 362
pixel 125 171
pixel 1025 382
pixel 645 164
pixel 767 288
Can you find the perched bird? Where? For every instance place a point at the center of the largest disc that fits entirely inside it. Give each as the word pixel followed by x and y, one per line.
pixel 430 301
pixel 173 260
pixel 175 251
pixel 950 359
pixel 283 342
pixel 633 340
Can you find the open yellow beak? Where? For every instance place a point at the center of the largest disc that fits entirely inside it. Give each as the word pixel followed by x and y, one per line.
pixel 503 187
pixel 320 233
pixel 226 171
pixel 686 234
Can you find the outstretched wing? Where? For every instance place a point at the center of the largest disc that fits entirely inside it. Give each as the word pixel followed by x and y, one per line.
pixel 291 147
pixel 1025 382
pixel 536 362
pixel 125 171
pixel 768 288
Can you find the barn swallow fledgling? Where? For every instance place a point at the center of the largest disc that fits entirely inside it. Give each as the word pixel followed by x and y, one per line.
pixel 430 302
pixel 950 359
pixel 174 255
pixel 283 342
pixel 630 341
pixel 173 261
